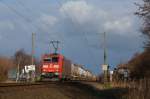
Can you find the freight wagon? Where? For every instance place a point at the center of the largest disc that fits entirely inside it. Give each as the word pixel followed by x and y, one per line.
pixel 56 66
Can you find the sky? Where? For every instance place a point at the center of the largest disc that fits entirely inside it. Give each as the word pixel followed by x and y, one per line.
pixel 79 26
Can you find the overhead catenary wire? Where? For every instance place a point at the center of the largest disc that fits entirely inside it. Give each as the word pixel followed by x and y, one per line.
pixel 27 19
pixel 22 16
pixel 30 10
pixel 84 34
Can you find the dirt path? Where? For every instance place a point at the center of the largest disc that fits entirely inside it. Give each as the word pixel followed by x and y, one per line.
pixel 68 90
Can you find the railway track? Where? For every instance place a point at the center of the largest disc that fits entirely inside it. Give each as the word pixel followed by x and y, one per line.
pixel 25 84
pixel 47 90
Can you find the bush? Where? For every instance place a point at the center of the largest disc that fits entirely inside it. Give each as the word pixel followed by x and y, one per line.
pixel 5 64
pixel 139 65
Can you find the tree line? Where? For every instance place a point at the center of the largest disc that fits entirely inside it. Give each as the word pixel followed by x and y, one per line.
pixel 139 64
pixel 20 58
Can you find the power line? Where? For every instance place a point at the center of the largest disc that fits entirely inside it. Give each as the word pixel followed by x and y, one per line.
pixel 16 12
pixel 26 19
pixel 84 34
pixel 29 10
pixel 37 27
pixel 33 48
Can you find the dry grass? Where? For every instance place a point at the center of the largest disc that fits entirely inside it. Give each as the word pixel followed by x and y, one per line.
pixel 5 64
pixel 139 89
pixel 119 84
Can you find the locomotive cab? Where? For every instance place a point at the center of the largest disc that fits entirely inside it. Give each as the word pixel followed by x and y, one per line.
pixel 52 66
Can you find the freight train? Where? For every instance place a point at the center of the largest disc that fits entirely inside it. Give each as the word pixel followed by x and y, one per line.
pixel 56 66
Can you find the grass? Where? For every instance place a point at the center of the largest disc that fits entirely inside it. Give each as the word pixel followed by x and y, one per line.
pixel 107 86
pixel 139 89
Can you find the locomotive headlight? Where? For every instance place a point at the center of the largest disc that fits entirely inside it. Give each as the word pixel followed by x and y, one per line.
pixel 45 66
pixel 56 66
pixel 43 73
pixel 56 73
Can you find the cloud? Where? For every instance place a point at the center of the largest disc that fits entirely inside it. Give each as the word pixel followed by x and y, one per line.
pixel 120 24
pixel 81 12
pixel 85 21
pixel 6 25
pixel 87 17
pixel 46 21
pixel 78 11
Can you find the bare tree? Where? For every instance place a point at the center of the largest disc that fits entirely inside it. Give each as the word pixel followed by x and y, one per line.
pixel 21 59
pixel 140 64
pixel 144 13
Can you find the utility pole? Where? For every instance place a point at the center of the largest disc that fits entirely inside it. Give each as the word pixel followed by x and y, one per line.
pixel 105 66
pixel 32 59
pixel 55 45
pixel 31 74
pixel 18 69
pixel 105 54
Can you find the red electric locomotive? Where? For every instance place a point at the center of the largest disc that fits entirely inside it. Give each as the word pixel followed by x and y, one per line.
pixel 55 66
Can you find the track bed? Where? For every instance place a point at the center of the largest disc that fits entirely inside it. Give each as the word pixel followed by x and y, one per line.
pixel 47 90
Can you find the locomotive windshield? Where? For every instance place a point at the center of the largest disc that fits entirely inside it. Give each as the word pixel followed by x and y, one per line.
pixel 55 59
pixel 47 60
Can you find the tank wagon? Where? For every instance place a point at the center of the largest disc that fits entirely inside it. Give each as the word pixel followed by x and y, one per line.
pixel 56 66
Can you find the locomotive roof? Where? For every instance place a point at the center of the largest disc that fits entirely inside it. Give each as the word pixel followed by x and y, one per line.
pixel 52 54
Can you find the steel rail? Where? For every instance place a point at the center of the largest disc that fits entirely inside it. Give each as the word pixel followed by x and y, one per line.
pixel 25 84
